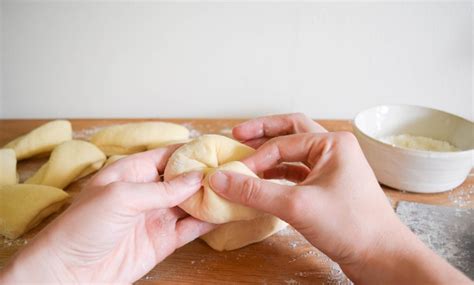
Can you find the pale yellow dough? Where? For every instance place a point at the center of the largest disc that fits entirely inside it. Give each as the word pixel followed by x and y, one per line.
pixel 69 161
pixel 23 206
pixel 136 137
pixel 42 139
pixel 8 174
pixel 210 153
pixel 238 234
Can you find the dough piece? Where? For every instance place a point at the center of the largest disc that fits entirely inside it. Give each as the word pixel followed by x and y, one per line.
pixel 42 139
pixel 163 144
pixel 135 137
pixel 238 234
pixel 113 159
pixel 8 174
pixel 69 161
pixel 210 153
pixel 24 206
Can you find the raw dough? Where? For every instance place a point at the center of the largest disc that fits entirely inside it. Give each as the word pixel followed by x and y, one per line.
pixel 69 161
pixel 24 206
pixel 238 234
pixel 163 144
pixel 210 153
pixel 8 174
pixel 135 137
pixel 42 139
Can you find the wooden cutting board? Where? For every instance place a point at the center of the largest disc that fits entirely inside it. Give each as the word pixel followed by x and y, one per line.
pixel 284 258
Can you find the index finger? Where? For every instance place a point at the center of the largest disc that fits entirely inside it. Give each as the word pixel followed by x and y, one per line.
pixel 305 148
pixel 139 168
pixel 158 156
pixel 276 125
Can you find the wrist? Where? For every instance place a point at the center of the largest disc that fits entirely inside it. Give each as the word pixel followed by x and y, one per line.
pixel 36 263
pixel 385 260
pixel 401 258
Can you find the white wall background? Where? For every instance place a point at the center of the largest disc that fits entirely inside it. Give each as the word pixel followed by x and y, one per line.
pixel 159 59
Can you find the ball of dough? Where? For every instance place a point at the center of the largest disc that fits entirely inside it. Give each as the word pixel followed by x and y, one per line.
pixel 8 174
pixel 69 161
pixel 238 234
pixel 136 137
pixel 42 139
pixel 210 153
pixel 241 225
pixel 163 144
pixel 24 206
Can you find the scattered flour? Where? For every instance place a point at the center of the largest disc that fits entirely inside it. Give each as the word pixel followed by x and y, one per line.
pixel 448 231
pixel 463 197
pixel 226 131
pixel 86 134
pixel 193 133
pixel 19 242
pixel 288 231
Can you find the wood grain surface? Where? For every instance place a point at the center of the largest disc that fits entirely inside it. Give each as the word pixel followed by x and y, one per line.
pixel 284 258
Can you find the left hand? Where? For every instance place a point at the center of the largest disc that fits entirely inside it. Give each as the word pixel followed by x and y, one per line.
pixel 122 224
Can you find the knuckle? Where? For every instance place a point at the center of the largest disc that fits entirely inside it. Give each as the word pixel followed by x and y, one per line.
pixel 166 191
pixel 115 191
pixel 295 202
pixel 164 188
pixel 346 138
pixel 299 116
pixel 250 190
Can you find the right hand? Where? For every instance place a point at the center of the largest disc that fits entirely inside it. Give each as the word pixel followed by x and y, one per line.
pixel 337 203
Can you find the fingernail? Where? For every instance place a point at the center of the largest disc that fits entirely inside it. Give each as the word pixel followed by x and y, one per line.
pixel 193 177
pixel 219 182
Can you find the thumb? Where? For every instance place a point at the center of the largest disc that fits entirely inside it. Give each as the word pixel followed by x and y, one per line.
pixel 155 195
pixel 263 195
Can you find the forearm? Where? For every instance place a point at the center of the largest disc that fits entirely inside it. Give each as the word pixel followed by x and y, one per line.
pixel 405 260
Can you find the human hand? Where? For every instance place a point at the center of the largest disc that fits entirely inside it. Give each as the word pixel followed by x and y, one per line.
pixel 257 131
pixel 337 203
pixel 123 223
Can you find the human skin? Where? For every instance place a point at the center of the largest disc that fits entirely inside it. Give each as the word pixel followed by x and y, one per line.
pixel 123 223
pixel 337 203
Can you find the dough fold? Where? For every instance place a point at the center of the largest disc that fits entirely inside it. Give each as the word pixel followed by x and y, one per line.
pixel 24 206
pixel 8 174
pixel 69 161
pixel 136 137
pixel 241 225
pixel 41 140
pixel 210 153
pixel 238 234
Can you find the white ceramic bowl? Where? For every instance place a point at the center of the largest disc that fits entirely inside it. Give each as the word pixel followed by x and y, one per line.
pixel 415 170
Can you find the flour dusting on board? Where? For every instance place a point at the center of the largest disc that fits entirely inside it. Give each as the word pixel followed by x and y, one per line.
pixel 226 132
pixel 448 231
pixel 462 197
pixel 193 133
pixel 86 134
pixel 19 242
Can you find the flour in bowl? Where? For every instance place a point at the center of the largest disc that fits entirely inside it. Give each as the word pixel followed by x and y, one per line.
pixel 419 143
